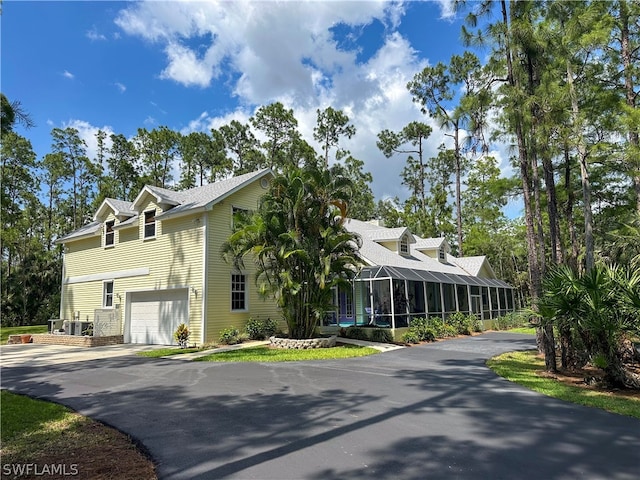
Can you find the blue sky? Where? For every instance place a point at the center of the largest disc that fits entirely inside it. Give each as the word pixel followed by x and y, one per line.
pixel 119 66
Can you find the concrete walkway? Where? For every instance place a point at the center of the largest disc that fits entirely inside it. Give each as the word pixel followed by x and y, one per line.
pixel 432 411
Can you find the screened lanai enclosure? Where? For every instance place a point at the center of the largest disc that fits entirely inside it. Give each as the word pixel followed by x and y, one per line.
pixel 388 297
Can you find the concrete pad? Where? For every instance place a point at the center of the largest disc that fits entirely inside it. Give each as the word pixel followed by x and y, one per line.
pixel 34 355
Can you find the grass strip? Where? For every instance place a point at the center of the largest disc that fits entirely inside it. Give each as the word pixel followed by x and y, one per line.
pixel 51 437
pixel 29 329
pixel 524 368
pixel 167 352
pixel 525 330
pixel 266 354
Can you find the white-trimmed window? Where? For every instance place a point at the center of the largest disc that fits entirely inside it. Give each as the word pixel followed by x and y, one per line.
pixel 238 213
pixel 404 245
pixel 107 294
pixel 238 292
pixel 442 255
pixel 150 224
pixel 109 233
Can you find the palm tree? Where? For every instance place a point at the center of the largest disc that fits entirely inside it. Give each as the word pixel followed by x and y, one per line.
pixel 298 244
pixel 598 312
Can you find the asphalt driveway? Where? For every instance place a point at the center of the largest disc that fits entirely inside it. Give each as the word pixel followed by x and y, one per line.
pixel 427 412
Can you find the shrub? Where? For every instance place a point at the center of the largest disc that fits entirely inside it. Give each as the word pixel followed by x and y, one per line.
pixel 230 336
pixel 258 329
pixel 437 326
pixel 449 330
pixel 410 337
pixel 477 325
pixel 382 336
pixel 356 333
pixel 182 335
pixel 464 324
pixel 423 329
pixel 511 320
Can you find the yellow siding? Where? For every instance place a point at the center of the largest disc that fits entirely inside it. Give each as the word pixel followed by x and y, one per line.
pixel 173 257
pixel 485 272
pixel 393 246
pixel 219 313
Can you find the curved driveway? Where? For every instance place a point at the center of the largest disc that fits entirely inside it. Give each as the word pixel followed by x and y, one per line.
pixel 427 412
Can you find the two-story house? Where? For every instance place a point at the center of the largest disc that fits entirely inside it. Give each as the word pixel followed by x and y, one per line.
pixel 157 263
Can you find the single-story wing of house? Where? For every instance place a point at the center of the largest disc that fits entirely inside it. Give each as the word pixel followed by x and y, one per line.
pixel 406 276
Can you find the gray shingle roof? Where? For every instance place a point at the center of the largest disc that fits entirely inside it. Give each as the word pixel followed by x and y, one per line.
pixel 88 230
pixel 376 254
pixel 186 201
pixel 207 195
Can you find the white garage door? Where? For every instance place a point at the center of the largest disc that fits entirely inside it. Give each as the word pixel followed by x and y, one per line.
pixel 154 316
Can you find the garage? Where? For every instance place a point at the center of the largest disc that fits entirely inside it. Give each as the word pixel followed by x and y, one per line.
pixel 153 316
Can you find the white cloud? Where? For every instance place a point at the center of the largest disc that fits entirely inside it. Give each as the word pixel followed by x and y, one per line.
pixel 68 75
pixel 447 9
pixel 286 51
pixel 94 35
pixel 120 87
pixel 87 132
pixel 185 68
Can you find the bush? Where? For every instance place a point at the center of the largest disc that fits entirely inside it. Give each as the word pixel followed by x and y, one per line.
pixel 449 330
pixel 356 333
pixel 382 336
pixel 230 336
pixel 464 324
pixel 511 320
pixel 423 329
pixel 258 329
pixel 436 324
pixel 182 335
pixel 410 337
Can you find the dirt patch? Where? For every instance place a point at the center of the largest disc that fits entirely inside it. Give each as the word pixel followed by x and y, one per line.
pixel 589 379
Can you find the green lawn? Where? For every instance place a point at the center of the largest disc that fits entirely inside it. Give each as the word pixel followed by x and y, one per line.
pixel 266 354
pixel 29 426
pixel 522 368
pixel 6 331
pixel 167 352
pixel 527 330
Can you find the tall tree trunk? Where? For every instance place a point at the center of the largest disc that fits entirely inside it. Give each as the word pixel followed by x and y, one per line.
pixel 584 173
pixel 458 187
pixel 544 337
pixel 557 254
pixel 630 95
pixel 572 260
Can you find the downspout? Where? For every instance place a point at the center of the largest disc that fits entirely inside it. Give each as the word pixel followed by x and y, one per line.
pixel 205 276
pixel 393 305
pixel 64 274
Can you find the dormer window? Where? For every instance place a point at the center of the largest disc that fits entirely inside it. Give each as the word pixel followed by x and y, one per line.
pixel 404 245
pixel 109 234
pixel 150 224
pixel 442 255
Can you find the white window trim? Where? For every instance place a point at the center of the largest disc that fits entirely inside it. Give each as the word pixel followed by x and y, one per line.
pixel 404 241
pixel 144 225
pixel 246 293
pixel 104 294
pixel 234 209
pixel 113 232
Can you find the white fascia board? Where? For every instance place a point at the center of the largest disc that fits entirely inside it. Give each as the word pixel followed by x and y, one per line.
pixel 181 213
pixel 218 199
pixel 135 272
